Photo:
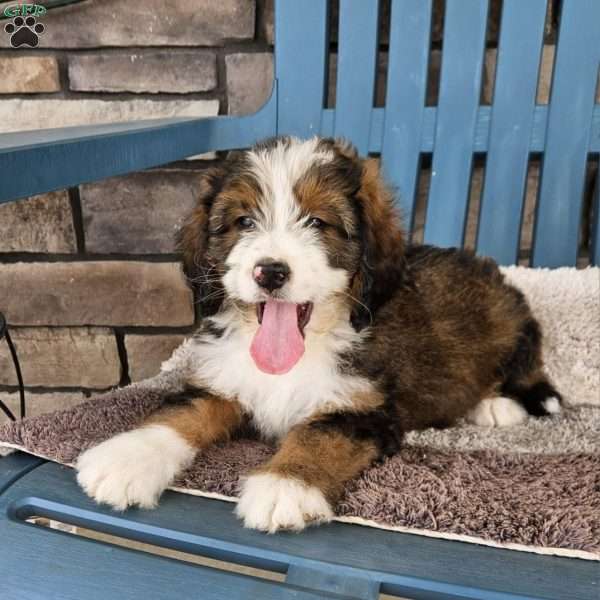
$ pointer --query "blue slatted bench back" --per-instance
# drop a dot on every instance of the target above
(566, 131)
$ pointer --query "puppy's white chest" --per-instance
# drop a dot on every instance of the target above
(277, 402)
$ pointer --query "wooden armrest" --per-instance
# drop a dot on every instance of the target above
(34, 162)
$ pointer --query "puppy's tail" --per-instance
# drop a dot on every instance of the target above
(538, 396)
(524, 377)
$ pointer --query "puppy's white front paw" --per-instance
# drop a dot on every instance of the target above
(497, 412)
(270, 503)
(133, 467)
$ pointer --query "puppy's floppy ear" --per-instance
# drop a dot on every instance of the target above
(192, 242)
(381, 269)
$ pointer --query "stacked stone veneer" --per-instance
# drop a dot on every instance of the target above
(89, 277)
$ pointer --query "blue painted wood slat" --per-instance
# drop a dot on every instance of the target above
(356, 70)
(519, 53)
(405, 99)
(558, 218)
(15, 466)
(460, 88)
(406, 565)
(42, 564)
(300, 63)
(59, 158)
(482, 128)
(328, 579)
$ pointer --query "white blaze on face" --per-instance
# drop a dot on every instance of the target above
(281, 233)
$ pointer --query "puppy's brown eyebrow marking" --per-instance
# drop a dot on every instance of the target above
(316, 199)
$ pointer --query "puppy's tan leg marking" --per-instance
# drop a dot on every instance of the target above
(299, 485)
(135, 467)
(203, 422)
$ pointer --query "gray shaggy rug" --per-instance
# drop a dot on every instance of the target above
(532, 487)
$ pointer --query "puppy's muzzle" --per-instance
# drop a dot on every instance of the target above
(271, 275)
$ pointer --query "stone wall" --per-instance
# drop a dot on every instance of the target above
(89, 277)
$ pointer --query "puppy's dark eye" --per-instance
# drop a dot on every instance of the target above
(246, 223)
(315, 222)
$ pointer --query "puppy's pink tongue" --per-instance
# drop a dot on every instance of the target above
(278, 344)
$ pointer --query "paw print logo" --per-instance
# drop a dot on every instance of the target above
(24, 32)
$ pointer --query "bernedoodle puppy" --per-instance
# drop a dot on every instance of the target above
(328, 333)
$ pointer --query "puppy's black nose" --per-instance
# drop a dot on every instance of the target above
(271, 275)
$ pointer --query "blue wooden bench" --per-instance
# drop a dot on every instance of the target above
(335, 561)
